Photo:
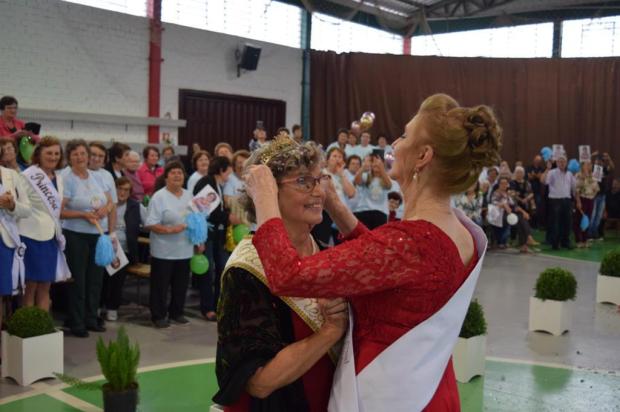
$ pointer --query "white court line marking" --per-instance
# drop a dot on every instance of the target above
(44, 388)
(75, 402)
(550, 365)
(545, 256)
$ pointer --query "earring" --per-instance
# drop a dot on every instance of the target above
(415, 175)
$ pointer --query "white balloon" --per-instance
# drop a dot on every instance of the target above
(512, 219)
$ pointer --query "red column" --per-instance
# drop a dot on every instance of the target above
(154, 14)
(407, 45)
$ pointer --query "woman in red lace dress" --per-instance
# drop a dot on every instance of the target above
(401, 274)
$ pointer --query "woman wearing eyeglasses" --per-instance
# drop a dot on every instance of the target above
(272, 352)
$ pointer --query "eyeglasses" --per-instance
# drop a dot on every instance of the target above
(307, 183)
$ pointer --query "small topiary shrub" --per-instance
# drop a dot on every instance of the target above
(29, 322)
(556, 284)
(474, 323)
(119, 365)
(610, 266)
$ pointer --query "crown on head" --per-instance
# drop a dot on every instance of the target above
(281, 144)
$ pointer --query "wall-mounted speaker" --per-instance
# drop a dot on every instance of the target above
(247, 58)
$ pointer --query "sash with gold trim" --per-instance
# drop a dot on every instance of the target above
(245, 257)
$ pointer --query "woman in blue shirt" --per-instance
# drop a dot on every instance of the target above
(171, 249)
(86, 203)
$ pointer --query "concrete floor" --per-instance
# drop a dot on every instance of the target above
(504, 288)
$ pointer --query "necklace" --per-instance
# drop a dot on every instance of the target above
(315, 248)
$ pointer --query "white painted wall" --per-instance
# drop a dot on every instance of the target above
(68, 57)
(200, 60)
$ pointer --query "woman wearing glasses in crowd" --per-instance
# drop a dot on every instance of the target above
(272, 352)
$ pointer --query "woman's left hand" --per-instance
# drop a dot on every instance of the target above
(102, 212)
(259, 182)
(332, 200)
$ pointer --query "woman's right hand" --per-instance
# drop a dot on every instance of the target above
(6, 201)
(336, 315)
(259, 181)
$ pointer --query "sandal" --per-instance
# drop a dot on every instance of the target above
(210, 316)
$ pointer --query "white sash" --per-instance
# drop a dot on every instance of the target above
(52, 200)
(18, 270)
(405, 376)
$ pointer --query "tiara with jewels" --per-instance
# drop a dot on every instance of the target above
(282, 144)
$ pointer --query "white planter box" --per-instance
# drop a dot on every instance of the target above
(608, 289)
(553, 316)
(216, 408)
(468, 357)
(28, 360)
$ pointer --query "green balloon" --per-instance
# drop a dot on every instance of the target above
(26, 148)
(199, 264)
(239, 232)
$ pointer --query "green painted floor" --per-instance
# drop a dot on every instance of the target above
(186, 388)
(38, 403)
(594, 253)
(506, 386)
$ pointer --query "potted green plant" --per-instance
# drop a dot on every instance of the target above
(32, 347)
(119, 365)
(551, 308)
(608, 279)
(470, 350)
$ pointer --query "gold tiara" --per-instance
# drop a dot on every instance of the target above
(280, 145)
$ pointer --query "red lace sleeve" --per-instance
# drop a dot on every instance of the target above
(383, 259)
(359, 230)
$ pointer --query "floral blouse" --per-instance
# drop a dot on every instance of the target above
(586, 186)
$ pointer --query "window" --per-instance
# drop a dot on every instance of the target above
(534, 40)
(264, 20)
(330, 33)
(134, 7)
(591, 37)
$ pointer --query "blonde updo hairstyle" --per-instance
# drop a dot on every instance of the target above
(464, 140)
(283, 156)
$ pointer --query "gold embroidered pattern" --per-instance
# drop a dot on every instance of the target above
(245, 257)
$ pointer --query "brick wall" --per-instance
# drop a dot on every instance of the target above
(68, 57)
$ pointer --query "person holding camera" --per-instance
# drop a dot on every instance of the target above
(374, 184)
(10, 125)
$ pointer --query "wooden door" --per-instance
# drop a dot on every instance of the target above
(217, 117)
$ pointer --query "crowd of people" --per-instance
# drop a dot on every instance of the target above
(57, 201)
(60, 200)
